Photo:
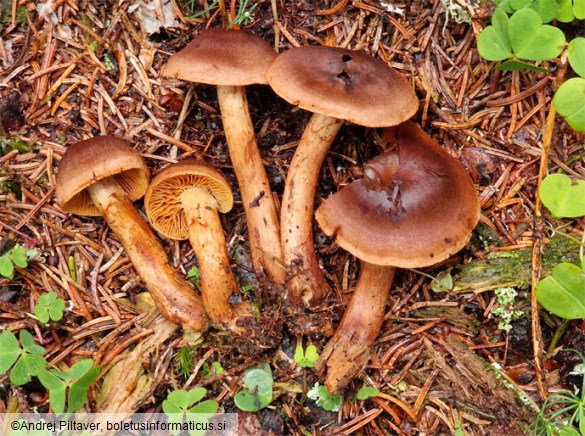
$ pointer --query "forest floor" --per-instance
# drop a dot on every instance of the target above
(444, 362)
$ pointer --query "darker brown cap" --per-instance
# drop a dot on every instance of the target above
(414, 207)
(222, 57)
(94, 159)
(344, 84)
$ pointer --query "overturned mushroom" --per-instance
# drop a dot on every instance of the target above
(103, 176)
(231, 60)
(336, 85)
(183, 201)
(414, 207)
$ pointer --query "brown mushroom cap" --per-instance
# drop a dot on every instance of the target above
(163, 197)
(345, 84)
(88, 161)
(222, 57)
(414, 207)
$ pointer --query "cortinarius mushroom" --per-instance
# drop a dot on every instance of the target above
(183, 201)
(231, 60)
(103, 176)
(414, 207)
(336, 85)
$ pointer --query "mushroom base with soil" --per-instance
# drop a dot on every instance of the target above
(218, 284)
(349, 349)
(306, 283)
(173, 296)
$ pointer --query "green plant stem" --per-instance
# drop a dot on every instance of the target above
(537, 246)
(557, 335)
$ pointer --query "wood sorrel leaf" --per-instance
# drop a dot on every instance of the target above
(532, 40)
(563, 292)
(577, 55)
(563, 197)
(493, 43)
(569, 101)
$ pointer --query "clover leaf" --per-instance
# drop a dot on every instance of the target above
(27, 361)
(522, 37)
(306, 358)
(532, 40)
(49, 307)
(569, 101)
(576, 52)
(367, 392)
(324, 398)
(562, 196)
(181, 404)
(15, 256)
(258, 394)
(70, 386)
(570, 9)
(563, 292)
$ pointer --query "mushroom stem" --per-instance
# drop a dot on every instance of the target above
(263, 224)
(174, 297)
(306, 282)
(349, 349)
(218, 284)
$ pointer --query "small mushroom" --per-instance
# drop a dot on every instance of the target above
(231, 60)
(414, 207)
(103, 176)
(336, 84)
(183, 201)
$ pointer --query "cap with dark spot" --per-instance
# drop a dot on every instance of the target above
(415, 205)
(345, 84)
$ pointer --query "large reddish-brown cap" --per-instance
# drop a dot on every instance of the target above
(88, 161)
(414, 207)
(163, 198)
(344, 84)
(222, 57)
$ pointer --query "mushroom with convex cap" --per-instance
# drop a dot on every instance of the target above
(103, 176)
(183, 201)
(336, 85)
(233, 59)
(414, 207)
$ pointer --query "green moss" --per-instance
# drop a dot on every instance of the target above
(514, 267)
(8, 144)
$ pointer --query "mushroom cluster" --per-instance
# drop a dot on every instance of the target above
(415, 205)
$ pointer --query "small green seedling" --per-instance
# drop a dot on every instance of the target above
(181, 405)
(563, 412)
(49, 307)
(367, 392)
(27, 361)
(70, 386)
(210, 370)
(520, 38)
(569, 99)
(258, 394)
(562, 196)
(324, 398)
(16, 256)
(505, 311)
(194, 275)
(563, 292)
(245, 14)
(184, 361)
(306, 358)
